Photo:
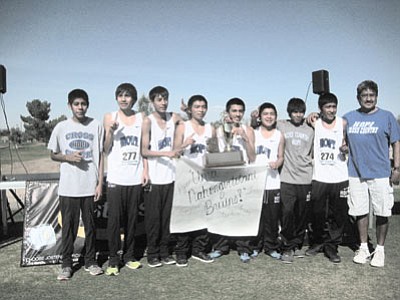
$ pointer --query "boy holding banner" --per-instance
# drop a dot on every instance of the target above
(269, 146)
(191, 139)
(243, 140)
(157, 146)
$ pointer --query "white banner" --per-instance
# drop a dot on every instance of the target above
(226, 201)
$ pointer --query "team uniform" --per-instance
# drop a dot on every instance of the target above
(124, 187)
(369, 137)
(266, 152)
(158, 201)
(195, 152)
(78, 183)
(329, 186)
(296, 176)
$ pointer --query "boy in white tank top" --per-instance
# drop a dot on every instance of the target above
(191, 139)
(126, 174)
(269, 147)
(330, 181)
(157, 146)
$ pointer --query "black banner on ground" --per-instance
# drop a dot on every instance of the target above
(41, 243)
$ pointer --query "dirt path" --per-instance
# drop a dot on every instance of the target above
(42, 165)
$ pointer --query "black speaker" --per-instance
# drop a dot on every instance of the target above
(3, 88)
(320, 80)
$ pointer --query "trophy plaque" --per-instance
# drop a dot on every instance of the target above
(223, 159)
(227, 158)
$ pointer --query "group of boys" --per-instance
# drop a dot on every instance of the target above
(307, 177)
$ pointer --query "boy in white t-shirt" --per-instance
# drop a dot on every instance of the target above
(77, 143)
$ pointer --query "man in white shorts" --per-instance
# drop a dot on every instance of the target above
(370, 130)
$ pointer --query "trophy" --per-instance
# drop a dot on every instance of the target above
(228, 135)
(227, 158)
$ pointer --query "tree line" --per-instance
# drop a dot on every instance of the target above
(38, 127)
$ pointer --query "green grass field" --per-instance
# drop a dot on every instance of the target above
(226, 278)
(26, 152)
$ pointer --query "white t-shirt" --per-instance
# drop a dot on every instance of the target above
(78, 179)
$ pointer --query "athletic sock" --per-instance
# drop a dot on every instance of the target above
(364, 246)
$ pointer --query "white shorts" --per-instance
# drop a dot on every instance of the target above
(377, 191)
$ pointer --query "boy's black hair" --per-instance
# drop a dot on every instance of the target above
(267, 105)
(78, 93)
(126, 88)
(296, 104)
(158, 90)
(234, 101)
(327, 98)
(197, 98)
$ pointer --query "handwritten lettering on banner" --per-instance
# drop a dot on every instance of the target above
(226, 201)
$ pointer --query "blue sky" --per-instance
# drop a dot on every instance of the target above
(256, 50)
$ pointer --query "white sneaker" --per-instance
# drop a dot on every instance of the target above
(65, 274)
(94, 270)
(378, 260)
(362, 256)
